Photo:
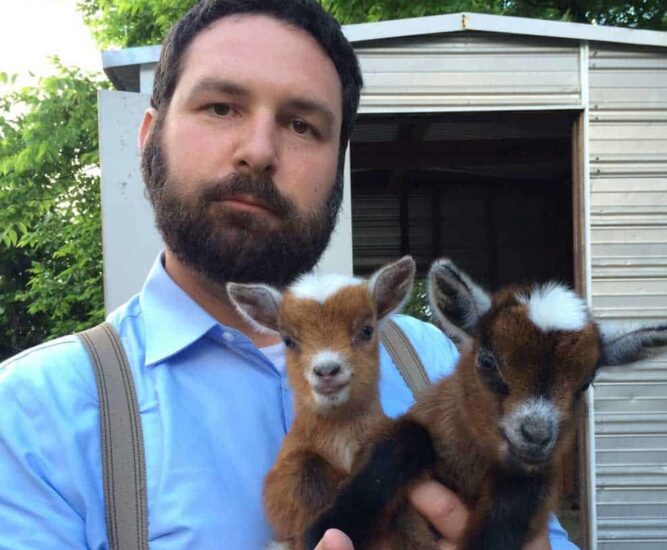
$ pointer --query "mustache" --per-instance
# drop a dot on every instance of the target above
(261, 189)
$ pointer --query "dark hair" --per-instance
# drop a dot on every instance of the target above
(303, 14)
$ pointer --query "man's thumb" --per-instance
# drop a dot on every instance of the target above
(334, 539)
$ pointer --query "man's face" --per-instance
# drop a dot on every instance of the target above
(241, 167)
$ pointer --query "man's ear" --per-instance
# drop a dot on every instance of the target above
(150, 116)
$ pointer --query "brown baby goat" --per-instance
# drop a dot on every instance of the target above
(495, 430)
(329, 324)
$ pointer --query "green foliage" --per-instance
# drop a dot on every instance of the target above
(648, 14)
(50, 231)
(360, 11)
(417, 305)
(129, 23)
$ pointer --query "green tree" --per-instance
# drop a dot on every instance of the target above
(127, 23)
(50, 232)
(647, 14)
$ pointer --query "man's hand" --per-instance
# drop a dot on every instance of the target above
(440, 506)
(443, 509)
(334, 539)
(447, 513)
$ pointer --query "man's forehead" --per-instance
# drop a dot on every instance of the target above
(251, 46)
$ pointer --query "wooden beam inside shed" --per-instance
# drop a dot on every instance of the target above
(408, 134)
(418, 155)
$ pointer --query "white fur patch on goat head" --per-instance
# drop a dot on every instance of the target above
(553, 306)
(320, 287)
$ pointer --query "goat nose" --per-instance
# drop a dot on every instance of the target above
(537, 431)
(327, 370)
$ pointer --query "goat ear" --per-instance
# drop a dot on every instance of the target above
(390, 286)
(624, 343)
(258, 305)
(456, 300)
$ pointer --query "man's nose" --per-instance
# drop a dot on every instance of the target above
(256, 151)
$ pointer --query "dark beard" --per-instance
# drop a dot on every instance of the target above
(225, 244)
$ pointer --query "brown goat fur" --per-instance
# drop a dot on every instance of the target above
(463, 414)
(329, 324)
(334, 325)
(501, 422)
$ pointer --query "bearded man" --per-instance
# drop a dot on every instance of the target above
(242, 156)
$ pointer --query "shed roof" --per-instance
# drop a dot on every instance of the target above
(122, 66)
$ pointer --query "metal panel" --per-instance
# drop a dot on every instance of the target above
(628, 170)
(122, 66)
(420, 26)
(126, 212)
(471, 71)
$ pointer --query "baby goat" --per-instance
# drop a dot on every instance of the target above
(495, 430)
(329, 324)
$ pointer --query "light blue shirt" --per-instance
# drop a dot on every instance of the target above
(214, 410)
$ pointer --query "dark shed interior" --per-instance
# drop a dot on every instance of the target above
(492, 191)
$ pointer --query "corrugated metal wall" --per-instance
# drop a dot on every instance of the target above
(469, 70)
(628, 171)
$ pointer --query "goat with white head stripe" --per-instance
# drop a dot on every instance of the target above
(329, 324)
(500, 424)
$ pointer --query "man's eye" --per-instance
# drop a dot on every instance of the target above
(301, 127)
(221, 109)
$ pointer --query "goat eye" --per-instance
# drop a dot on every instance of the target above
(366, 332)
(486, 362)
(489, 373)
(289, 343)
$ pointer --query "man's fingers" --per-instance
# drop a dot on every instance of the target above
(442, 508)
(334, 539)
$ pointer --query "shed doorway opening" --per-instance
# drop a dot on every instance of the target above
(493, 191)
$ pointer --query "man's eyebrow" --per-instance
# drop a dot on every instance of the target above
(312, 107)
(217, 85)
(229, 87)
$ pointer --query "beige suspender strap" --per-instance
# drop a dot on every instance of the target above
(123, 466)
(405, 357)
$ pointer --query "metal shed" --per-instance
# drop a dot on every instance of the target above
(515, 143)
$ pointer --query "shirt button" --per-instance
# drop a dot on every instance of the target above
(228, 336)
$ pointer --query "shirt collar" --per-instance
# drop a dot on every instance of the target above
(172, 319)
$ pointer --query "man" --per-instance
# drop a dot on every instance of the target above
(243, 148)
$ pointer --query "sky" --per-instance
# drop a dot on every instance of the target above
(31, 30)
